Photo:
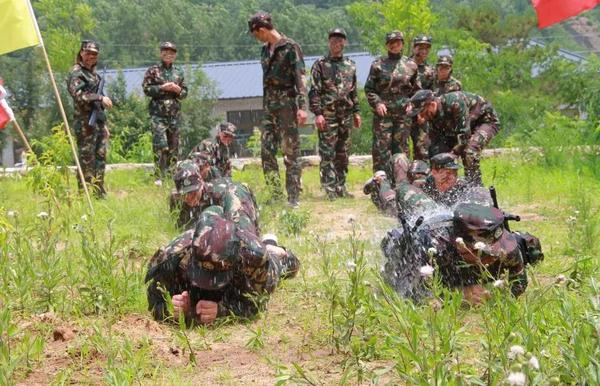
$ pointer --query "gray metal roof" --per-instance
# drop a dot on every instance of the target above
(236, 80)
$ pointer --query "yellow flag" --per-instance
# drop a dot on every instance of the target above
(18, 27)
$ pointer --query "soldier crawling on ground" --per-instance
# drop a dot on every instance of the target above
(219, 269)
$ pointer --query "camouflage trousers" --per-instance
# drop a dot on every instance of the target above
(333, 150)
(280, 128)
(482, 135)
(92, 143)
(165, 143)
(390, 136)
(420, 141)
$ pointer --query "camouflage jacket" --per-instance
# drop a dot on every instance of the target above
(164, 103)
(186, 215)
(441, 87)
(284, 73)
(238, 202)
(481, 111)
(254, 269)
(333, 85)
(218, 153)
(82, 84)
(426, 75)
(451, 118)
(392, 80)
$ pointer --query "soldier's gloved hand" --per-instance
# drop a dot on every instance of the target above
(357, 120)
(320, 122)
(106, 102)
(381, 109)
(181, 304)
(301, 117)
(206, 311)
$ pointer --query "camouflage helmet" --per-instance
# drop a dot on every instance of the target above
(227, 128)
(260, 20)
(215, 249)
(187, 177)
(422, 39)
(419, 100)
(90, 45)
(418, 167)
(394, 35)
(168, 46)
(445, 60)
(444, 161)
(201, 159)
(337, 32)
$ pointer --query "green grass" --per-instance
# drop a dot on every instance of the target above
(336, 323)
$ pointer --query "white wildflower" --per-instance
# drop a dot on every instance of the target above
(432, 252)
(560, 279)
(515, 351)
(42, 215)
(11, 213)
(499, 284)
(426, 270)
(460, 241)
(534, 363)
(84, 218)
(516, 379)
(480, 246)
(351, 265)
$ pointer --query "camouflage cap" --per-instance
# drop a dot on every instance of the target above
(90, 45)
(337, 31)
(478, 220)
(168, 46)
(445, 60)
(227, 128)
(260, 20)
(187, 177)
(422, 39)
(201, 159)
(419, 100)
(444, 161)
(394, 35)
(215, 250)
(418, 167)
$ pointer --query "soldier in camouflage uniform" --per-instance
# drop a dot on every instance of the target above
(469, 247)
(284, 101)
(216, 270)
(382, 193)
(444, 185)
(334, 101)
(485, 124)
(187, 196)
(448, 119)
(164, 84)
(82, 83)
(444, 81)
(392, 80)
(420, 51)
(220, 150)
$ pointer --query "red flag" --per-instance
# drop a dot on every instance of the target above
(553, 11)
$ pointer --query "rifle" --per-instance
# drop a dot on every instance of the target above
(98, 108)
(507, 216)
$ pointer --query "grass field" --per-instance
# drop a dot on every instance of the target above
(73, 306)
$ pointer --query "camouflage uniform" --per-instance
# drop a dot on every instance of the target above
(92, 142)
(165, 113)
(441, 87)
(218, 262)
(382, 193)
(284, 85)
(187, 180)
(333, 95)
(484, 126)
(218, 153)
(435, 241)
(426, 78)
(392, 81)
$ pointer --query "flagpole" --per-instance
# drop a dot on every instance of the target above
(62, 110)
(22, 135)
